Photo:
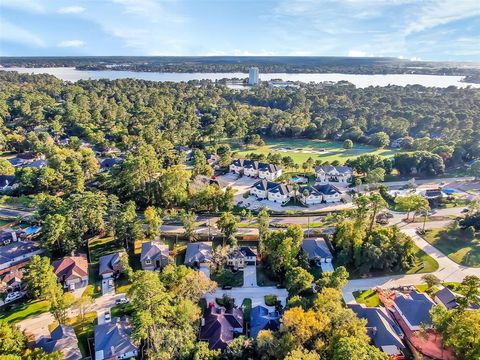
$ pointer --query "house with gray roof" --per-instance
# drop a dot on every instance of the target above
(320, 193)
(154, 255)
(111, 265)
(414, 309)
(64, 340)
(329, 173)
(219, 327)
(263, 319)
(15, 255)
(198, 254)
(113, 341)
(381, 328)
(253, 168)
(317, 250)
(447, 298)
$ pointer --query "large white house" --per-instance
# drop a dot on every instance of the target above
(280, 193)
(320, 193)
(329, 173)
(255, 169)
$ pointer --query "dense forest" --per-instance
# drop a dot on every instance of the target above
(125, 112)
(266, 64)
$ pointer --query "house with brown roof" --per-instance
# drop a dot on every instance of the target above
(219, 327)
(72, 271)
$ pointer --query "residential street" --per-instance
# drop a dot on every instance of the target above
(255, 293)
(13, 214)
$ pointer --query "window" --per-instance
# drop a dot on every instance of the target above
(148, 261)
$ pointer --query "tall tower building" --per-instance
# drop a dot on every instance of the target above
(253, 76)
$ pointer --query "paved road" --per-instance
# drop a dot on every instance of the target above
(13, 214)
(250, 276)
(448, 271)
(38, 325)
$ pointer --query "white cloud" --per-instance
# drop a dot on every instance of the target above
(71, 10)
(14, 33)
(24, 5)
(358, 53)
(71, 43)
(440, 13)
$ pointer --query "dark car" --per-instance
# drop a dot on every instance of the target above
(226, 287)
(465, 211)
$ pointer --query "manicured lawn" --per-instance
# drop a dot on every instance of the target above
(457, 245)
(102, 246)
(424, 263)
(301, 149)
(226, 277)
(367, 297)
(22, 311)
(263, 279)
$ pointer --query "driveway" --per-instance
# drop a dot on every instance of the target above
(206, 270)
(250, 276)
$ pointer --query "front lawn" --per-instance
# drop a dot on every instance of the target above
(23, 310)
(84, 331)
(226, 277)
(424, 263)
(102, 246)
(367, 297)
(456, 244)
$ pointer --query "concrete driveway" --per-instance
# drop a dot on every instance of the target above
(250, 276)
(257, 294)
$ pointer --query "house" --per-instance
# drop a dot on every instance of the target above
(320, 193)
(108, 163)
(72, 271)
(112, 340)
(414, 309)
(37, 164)
(154, 255)
(382, 329)
(13, 281)
(269, 171)
(263, 319)
(7, 236)
(447, 298)
(317, 250)
(219, 327)
(213, 160)
(329, 173)
(433, 193)
(261, 188)
(198, 254)
(240, 257)
(7, 182)
(64, 340)
(15, 256)
(281, 194)
(255, 169)
(110, 265)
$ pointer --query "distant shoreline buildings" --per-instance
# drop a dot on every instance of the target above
(253, 79)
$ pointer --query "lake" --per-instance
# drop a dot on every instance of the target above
(361, 81)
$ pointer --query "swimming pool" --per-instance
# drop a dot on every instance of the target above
(449, 191)
(31, 230)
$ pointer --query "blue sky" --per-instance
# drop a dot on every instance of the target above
(412, 29)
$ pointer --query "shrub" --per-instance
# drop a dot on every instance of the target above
(271, 300)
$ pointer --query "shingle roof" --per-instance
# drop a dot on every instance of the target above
(327, 189)
(316, 248)
(64, 340)
(110, 263)
(198, 252)
(17, 249)
(219, 325)
(38, 164)
(380, 326)
(262, 319)
(282, 189)
(415, 307)
(447, 297)
(109, 162)
(154, 250)
(250, 164)
(114, 338)
(271, 168)
(264, 185)
(329, 168)
(247, 251)
(71, 267)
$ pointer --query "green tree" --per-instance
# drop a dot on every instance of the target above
(39, 277)
(228, 225)
(431, 280)
(128, 227)
(60, 302)
(263, 220)
(6, 168)
(375, 176)
(475, 169)
(189, 221)
(348, 144)
(13, 340)
(335, 280)
(380, 139)
(153, 222)
(298, 280)
(352, 348)
(54, 229)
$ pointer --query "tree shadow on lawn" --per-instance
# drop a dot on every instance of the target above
(457, 245)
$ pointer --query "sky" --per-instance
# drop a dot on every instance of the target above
(410, 29)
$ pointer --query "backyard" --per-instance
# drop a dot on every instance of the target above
(457, 244)
(301, 149)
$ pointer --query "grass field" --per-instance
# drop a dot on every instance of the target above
(457, 245)
(22, 311)
(424, 263)
(301, 149)
(367, 297)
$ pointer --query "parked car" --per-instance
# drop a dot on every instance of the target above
(14, 296)
(122, 301)
(108, 317)
(226, 287)
(465, 211)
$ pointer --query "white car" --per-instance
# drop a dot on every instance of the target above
(13, 296)
(108, 317)
(121, 301)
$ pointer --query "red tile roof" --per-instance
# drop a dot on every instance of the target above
(71, 267)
